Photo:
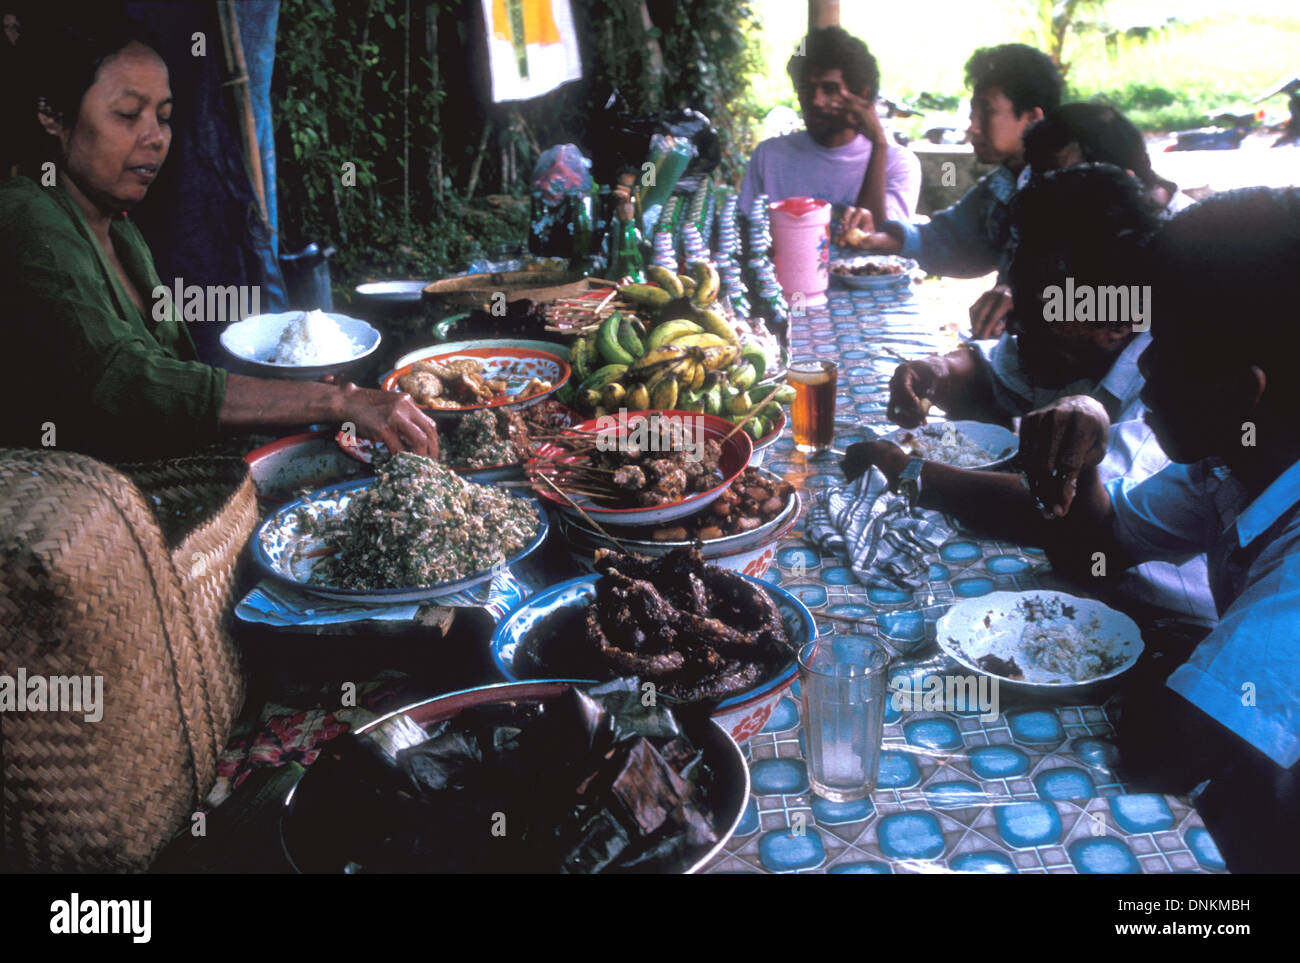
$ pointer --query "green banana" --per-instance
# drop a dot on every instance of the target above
(645, 295)
(597, 380)
(743, 375)
(713, 400)
(752, 353)
(607, 340)
(578, 360)
(666, 279)
(784, 395)
(740, 404)
(667, 331)
(627, 338)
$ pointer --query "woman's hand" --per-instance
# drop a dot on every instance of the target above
(390, 417)
(1057, 445)
(885, 455)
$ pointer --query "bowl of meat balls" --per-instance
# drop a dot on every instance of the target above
(695, 634)
(447, 386)
(740, 531)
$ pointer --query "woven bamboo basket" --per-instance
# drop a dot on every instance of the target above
(127, 574)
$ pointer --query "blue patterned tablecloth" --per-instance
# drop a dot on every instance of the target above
(1032, 791)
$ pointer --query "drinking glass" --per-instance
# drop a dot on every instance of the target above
(813, 410)
(842, 686)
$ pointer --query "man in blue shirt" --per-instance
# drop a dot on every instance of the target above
(1012, 86)
(1225, 406)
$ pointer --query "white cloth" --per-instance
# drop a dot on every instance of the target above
(552, 62)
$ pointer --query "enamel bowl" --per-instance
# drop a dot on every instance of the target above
(515, 366)
(252, 342)
(741, 715)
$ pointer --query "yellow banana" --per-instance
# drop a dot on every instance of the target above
(662, 334)
(712, 321)
(612, 395)
(638, 398)
(666, 279)
(706, 283)
(660, 355)
(665, 394)
(688, 284)
(697, 376)
(703, 339)
(717, 356)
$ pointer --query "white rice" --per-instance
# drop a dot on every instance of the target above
(313, 337)
(944, 443)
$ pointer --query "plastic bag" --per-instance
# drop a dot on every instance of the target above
(560, 172)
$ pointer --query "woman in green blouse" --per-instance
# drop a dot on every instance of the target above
(84, 355)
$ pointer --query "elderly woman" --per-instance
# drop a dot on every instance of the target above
(88, 366)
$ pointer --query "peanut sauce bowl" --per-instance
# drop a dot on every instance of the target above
(742, 715)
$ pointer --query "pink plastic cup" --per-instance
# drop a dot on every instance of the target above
(801, 249)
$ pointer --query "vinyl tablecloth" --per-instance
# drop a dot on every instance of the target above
(1031, 791)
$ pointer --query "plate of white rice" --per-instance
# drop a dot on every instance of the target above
(299, 344)
(961, 444)
(1040, 638)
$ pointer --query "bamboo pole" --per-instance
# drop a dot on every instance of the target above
(237, 71)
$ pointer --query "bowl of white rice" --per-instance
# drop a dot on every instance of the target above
(301, 345)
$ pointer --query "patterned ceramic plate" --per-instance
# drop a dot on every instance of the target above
(515, 366)
(283, 551)
(1054, 640)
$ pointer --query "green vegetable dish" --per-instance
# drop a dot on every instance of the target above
(422, 524)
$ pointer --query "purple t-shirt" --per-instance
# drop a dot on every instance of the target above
(795, 165)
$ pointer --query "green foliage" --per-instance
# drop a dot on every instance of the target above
(403, 211)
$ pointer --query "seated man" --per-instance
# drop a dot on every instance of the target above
(845, 155)
(1081, 134)
(1079, 229)
(1225, 409)
(1012, 86)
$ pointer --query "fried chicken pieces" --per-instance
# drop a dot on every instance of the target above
(698, 632)
(458, 383)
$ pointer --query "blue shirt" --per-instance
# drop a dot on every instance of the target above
(1246, 673)
(968, 239)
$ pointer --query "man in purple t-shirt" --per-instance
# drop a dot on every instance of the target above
(844, 155)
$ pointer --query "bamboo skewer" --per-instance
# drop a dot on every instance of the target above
(600, 528)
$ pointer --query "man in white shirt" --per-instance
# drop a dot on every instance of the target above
(844, 155)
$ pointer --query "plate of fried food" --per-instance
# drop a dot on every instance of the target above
(872, 271)
(489, 444)
(640, 468)
(447, 385)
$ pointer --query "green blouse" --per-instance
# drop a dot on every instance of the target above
(80, 355)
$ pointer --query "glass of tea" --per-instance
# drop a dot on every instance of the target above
(813, 411)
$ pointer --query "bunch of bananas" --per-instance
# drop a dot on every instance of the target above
(687, 356)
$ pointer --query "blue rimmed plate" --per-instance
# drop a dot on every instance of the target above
(284, 552)
(742, 715)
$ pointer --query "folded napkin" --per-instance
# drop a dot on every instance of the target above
(884, 541)
(273, 603)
